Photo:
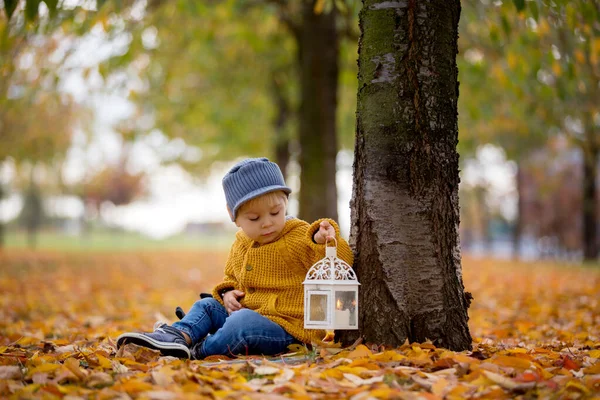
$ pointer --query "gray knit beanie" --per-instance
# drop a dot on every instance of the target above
(251, 178)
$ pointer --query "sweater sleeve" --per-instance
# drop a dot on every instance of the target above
(310, 252)
(229, 281)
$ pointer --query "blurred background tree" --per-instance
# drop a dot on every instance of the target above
(248, 79)
(36, 119)
(536, 66)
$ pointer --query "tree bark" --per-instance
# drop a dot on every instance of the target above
(481, 191)
(1, 223)
(282, 141)
(590, 203)
(318, 50)
(405, 196)
(518, 229)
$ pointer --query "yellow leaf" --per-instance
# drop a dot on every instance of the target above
(461, 358)
(298, 348)
(595, 353)
(27, 341)
(360, 351)
(104, 362)
(440, 387)
(594, 369)
(43, 368)
(577, 386)
(518, 350)
(332, 373)
(352, 370)
(389, 355)
(383, 393)
(72, 364)
(133, 386)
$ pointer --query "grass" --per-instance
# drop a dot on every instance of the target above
(118, 241)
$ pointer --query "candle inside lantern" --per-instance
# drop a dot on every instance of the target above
(341, 316)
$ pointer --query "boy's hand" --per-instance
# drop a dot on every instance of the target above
(326, 231)
(231, 300)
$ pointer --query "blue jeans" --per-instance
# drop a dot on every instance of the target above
(243, 332)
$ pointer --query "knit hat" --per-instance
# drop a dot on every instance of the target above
(249, 179)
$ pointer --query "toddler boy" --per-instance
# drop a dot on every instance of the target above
(258, 308)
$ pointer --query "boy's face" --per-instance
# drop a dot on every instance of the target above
(262, 221)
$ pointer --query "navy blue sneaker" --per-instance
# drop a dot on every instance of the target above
(166, 339)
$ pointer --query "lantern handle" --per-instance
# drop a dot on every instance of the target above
(327, 240)
(330, 251)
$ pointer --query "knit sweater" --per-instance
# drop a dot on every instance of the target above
(271, 275)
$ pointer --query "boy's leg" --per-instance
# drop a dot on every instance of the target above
(205, 316)
(245, 332)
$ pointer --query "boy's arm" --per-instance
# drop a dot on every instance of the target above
(229, 282)
(306, 251)
(343, 248)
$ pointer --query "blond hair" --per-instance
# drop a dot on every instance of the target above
(271, 199)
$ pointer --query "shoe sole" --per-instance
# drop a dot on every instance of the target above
(166, 349)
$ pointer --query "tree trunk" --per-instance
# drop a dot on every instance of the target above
(32, 212)
(518, 228)
(481, 191)
(282, 140)
(405, 196)
(590, 210)
(1, 222)
(318, 50)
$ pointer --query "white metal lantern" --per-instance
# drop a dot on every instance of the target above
(331, 294)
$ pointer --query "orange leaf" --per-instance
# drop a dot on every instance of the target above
(512, 362)
(569, 364)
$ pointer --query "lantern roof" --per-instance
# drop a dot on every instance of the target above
(331, 270)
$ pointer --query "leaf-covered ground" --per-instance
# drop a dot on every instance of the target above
(536, 331)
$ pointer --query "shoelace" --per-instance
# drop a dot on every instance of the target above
(158, 326)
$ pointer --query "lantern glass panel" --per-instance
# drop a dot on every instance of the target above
(318, 307)
(345, 308)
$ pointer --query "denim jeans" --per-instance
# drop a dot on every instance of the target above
(243, 332)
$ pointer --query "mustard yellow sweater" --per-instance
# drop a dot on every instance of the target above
(271, 275)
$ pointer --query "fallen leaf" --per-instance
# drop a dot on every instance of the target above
(72, 364)
(569, 364)
(360, 351)
(98, 379)
(507, 383)
(266, 370)
(10, 372)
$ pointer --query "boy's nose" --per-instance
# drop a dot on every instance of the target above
(267, 222)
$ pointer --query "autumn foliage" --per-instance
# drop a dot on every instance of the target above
(536, 331)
